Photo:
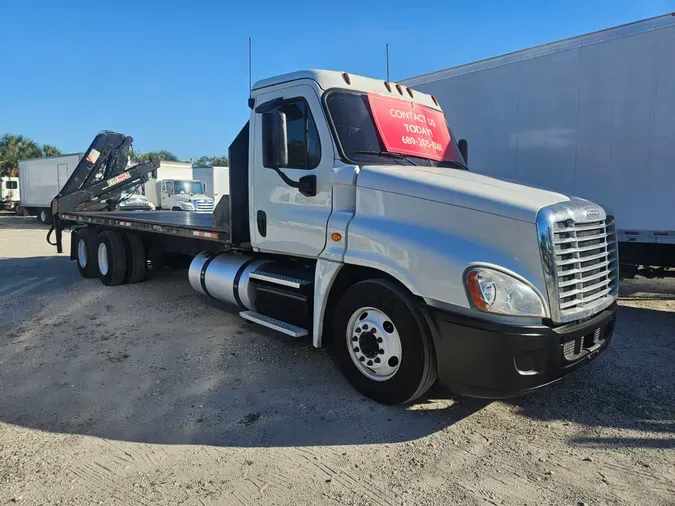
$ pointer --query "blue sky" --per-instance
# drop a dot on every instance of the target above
(173, 74)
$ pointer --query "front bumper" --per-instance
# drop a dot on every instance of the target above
(478, 358)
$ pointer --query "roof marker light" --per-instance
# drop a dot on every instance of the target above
(400, 90)
(346, 77)
(434, 99)
(387, 85)
(410, 92)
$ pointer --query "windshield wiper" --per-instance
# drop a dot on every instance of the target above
(398, 156)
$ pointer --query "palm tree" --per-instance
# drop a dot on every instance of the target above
(14, 148)
(48, 150)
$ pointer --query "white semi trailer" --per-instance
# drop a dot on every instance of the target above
(216, 180)
(352, 218)
(590, 116)
(41, 179)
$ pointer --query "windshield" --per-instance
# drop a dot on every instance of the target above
(193, 187)
(362, 142)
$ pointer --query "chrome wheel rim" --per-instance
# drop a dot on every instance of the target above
(374, 344)
(82, 253)
(103, 259)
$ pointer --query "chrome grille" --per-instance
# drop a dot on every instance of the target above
(205, 206)
(579, 251)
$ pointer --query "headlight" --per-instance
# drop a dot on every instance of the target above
(188, 207)
(124, 203)
(495, 292)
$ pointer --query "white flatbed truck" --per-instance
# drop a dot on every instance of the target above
(352, 218)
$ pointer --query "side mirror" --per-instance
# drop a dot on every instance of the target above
(274, 140)
(463, 145)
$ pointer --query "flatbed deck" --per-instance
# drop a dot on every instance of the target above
(176, 223)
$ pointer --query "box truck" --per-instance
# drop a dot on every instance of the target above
(40, 180)
(173, 187)
(216, 180)
(9, 193)
(591, 116)
(353, 218)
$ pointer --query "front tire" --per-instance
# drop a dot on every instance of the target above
(381, 343)
(112, 259)
(86, 251)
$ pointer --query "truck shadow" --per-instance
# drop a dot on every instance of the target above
(157, 363)
(631, 387)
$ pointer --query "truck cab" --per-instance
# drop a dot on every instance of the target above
(184, 195)
(419, 269)
(9, 193)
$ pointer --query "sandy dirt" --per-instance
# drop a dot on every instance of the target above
(152, 394)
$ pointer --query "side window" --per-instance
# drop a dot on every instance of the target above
(304, 147)
(10, 185)
(169, 187)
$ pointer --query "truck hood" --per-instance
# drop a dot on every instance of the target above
(460, 188)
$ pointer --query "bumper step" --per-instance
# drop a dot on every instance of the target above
(280, 279)
(272, 323)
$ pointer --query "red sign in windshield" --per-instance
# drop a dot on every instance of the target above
(411, 129)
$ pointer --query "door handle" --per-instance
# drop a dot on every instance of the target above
(261, 218)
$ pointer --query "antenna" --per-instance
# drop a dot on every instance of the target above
(251, 101)
(386, 49)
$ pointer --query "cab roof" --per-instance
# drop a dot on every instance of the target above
(330, 79)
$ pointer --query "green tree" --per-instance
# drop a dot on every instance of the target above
(14, 148)
(167, 156)
(220, 161)
(211, 161)
(48, 150)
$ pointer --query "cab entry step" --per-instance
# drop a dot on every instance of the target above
(279, 279)
(274, 324)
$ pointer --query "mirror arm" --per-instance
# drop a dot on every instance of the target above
(306, 185)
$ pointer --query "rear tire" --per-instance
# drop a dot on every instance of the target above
(397, 363)
(136, 261)
(44, 216)
(86, 252)
(112, 258)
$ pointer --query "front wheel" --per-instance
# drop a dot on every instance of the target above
(381, 343)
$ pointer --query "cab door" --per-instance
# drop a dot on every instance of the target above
(283, 220)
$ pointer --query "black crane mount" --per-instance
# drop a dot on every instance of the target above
(99, 179)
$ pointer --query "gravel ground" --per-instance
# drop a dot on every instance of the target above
(152, 394)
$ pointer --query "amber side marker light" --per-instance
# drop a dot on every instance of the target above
(336, 236)
(474, 290)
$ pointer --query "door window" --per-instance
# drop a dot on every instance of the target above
(169, 187)
(11, 185)
(304, 147)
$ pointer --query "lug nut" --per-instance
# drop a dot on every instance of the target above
(365, 327)
(377, 360)
(380, 351)
(379, 339)
(355, 338)
(362, 358)
(358, 330)
(370, 362)
(356, 350)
